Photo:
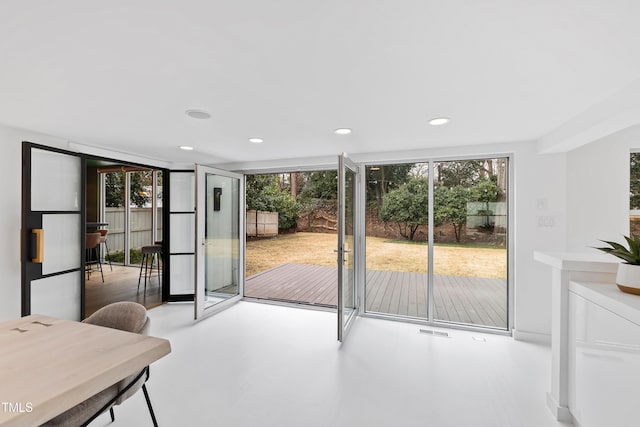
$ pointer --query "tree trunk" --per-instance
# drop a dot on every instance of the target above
(293, 180)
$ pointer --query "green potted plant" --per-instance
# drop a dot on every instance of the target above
(628, 277)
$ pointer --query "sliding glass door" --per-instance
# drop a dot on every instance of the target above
(470, 242)
(436, 241)
(52, 237)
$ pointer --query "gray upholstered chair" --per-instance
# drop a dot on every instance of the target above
(126, 316)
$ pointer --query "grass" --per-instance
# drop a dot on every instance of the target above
(135, 256)
(382, 254)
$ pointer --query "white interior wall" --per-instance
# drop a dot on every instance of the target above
(598, 190)
(539, 220)
(538, 189)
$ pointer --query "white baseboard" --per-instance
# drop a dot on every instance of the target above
(534, 337)
(560, 413)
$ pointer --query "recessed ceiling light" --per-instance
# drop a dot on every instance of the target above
(256, 140)
(343, 131)
(375, 168)
(439, 121)
(198, 114)
(185, 147)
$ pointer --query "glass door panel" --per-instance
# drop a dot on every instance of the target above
(347, 299)
(397, 251)
(61, 248)
(470, 242)
(220, 245)
(52, 238)
(437, 241)
(182, 235)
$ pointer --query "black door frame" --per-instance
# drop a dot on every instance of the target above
(30, 220)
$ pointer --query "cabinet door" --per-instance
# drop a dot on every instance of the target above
(604, 366)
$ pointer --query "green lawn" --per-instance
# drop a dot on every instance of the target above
(382, 254)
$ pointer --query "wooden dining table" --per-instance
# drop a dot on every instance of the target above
(49, 365)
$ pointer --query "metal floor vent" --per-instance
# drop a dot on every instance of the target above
(434, 333)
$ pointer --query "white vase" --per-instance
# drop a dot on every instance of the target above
(628, 278)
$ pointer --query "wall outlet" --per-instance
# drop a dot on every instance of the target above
(546, 221)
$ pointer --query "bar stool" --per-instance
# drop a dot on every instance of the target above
(103, 239)
(92, 257)
(149, 254)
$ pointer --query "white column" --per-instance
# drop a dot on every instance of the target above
(566, 267)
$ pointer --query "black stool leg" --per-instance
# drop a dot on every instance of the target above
(106, 246)
(99, 262)
(144, 256)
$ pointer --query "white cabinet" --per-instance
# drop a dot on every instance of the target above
(604, 356)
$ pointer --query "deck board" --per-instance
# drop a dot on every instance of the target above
(471, 300)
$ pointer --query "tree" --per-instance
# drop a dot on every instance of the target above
(382, 179)
(320, 185)
(486, 191)
(451, 207)
(139, 183)
(407, 206)
(463, 172)
(264, 194)
(634, 201)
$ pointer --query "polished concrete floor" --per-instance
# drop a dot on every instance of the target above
(264, 365)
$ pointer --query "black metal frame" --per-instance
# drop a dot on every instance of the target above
(30, 270)
(167, 243)
(109, 405)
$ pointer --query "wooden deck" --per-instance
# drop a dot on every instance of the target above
(470, 300)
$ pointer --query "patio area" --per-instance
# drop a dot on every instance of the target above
(470, 300)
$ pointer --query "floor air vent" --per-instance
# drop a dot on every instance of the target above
(434, 333)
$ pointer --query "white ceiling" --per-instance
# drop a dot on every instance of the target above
(120, 74)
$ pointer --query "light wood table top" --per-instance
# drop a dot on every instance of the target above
(49, 365)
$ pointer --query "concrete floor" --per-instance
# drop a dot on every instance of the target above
(264, 365)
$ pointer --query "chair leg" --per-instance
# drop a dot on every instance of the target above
(146, 396)
(113, 416)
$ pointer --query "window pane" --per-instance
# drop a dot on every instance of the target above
(182, 191)
(57, 296)
(634, 194)
(55, 181)
(396, 239)
(61, 242)
(470, 242)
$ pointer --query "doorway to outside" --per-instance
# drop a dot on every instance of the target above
(436, 240)
(124, 204)
(291, 228)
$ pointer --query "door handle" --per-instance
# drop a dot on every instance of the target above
(36, 249)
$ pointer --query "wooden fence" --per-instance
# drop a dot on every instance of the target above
(261, 223)
(141, 227)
